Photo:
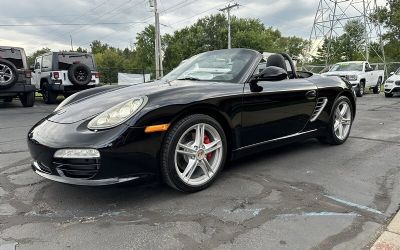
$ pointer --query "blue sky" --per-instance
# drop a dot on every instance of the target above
(291, 17)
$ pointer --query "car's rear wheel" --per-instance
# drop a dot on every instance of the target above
(193, 153)
(360, 89)
(340, 122)
(27, 99)
(377, 88)
(49, 97)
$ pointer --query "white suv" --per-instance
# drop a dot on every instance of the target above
(64, 73)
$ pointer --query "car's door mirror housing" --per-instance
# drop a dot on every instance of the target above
(271, 73)
(368, 69)
(392, 73)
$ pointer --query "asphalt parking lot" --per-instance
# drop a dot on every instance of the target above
(302, 196)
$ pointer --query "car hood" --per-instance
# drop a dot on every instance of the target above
(341, 73)
(93, 105)
(393, 78)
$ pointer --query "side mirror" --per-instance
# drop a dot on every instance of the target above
(270, 73)
(391, 73)
(368, 69)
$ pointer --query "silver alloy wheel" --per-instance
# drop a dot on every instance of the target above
(343, 117)
(6, 74)
(198, 154)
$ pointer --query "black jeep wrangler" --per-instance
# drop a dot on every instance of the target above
(15, 76)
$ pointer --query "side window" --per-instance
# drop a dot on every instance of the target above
(46, 63)
(38, 62)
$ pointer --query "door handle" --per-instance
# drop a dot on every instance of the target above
(311, 94)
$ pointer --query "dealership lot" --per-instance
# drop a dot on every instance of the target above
(302, 196)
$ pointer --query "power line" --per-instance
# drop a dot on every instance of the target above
(65, 24)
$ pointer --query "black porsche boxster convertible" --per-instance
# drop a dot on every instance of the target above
(214, 107)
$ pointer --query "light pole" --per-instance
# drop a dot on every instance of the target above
(228, 10)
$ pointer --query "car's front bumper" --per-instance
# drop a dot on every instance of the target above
(126, 154)
(392, 88)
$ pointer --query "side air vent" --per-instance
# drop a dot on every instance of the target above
(321, 103)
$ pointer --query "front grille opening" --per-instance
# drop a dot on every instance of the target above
(78, 168)
(43, 168)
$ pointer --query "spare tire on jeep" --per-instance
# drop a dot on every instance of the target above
(79, 74)
(8, 74)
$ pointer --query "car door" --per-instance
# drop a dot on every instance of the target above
(37, 72)
(370, 79)
(280, 109)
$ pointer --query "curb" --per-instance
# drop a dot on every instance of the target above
(390, 238)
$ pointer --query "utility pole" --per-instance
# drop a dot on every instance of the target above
(228, 10)
(72, 47)
(157, 40)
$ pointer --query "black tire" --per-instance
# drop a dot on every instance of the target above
(360, 89)
(168, 170)
(330, 137)
(377, 88)
(388, 94)
(8, 99)
(27, 99)
(79, 74)
(49, 97)
(10, 76)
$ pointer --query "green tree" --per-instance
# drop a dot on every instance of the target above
(31, 58)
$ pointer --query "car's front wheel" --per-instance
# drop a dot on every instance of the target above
(340, 122)
(388, 94)
(193, 153)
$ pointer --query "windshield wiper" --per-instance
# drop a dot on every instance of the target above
(189, 78)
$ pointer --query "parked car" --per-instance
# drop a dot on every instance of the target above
(65, 73)
(392, 84)
(360, 74)
(15, 76)
(212, 108)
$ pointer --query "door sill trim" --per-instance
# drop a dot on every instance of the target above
(276, 139)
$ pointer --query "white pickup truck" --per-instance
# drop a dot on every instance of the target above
(360, 74)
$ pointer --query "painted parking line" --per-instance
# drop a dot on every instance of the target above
(351, 204)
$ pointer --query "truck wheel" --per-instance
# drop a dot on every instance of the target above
(27, 99)
(377, 88)
(388, 95)
(360, 89)
(49, 97)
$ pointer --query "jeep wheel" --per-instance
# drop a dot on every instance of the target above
(49, 97)
(8, 99)
(27, 99)
(8, 74)
(80, 74)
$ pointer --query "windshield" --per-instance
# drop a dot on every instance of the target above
(347, 67)
(66, 60)
(217, 66)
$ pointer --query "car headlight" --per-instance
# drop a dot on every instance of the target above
(118, 114)
(66, 101)
(352, 77)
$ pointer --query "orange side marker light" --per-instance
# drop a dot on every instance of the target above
(156, 128)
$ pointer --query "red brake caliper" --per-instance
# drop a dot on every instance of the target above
(207, 141)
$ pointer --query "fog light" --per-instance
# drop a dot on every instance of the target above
(77, 153)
